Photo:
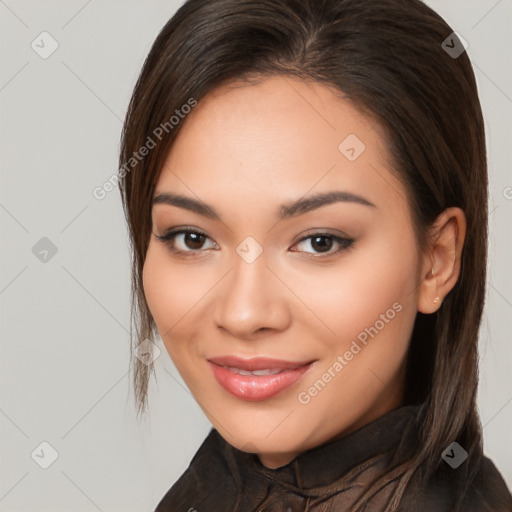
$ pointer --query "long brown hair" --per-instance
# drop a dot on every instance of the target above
(388, 58)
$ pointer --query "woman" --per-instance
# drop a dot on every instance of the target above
(305, 186)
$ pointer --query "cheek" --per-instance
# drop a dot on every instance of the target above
(176, 295)
(167, 292)
(350, 297)
(155, 284)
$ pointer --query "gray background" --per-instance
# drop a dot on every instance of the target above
(64, 322)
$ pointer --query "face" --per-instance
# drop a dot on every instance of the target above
(286, 308)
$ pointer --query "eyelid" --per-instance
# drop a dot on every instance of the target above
(335, 233)
(181, 229)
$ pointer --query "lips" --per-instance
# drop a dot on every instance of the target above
(257, 378)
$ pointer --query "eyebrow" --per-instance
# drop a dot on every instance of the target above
(287, 210)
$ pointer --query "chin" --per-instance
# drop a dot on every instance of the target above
(272, 436)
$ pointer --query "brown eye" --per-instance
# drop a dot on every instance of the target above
(323, 243)
(186, 241)
(194, 240)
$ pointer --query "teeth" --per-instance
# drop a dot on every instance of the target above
(255, 372)
(266, 372)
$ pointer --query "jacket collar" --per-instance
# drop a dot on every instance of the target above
(327, 463)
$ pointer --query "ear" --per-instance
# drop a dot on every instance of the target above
(446, 239)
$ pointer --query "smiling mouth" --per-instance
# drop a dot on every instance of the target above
(258, 378)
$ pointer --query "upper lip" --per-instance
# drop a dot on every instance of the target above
(256, 363)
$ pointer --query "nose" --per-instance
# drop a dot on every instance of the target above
(251, 301)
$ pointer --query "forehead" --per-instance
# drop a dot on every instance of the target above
(279, 140)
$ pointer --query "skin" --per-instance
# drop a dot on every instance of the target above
(245, 151)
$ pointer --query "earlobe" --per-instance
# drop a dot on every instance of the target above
(428, 297)
(443, 258)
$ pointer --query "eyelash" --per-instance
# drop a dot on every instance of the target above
(168, 238)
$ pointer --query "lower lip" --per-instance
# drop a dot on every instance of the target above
(256, 387)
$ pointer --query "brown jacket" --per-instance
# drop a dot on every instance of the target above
(328, 478)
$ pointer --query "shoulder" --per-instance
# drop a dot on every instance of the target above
(207, 480)
(487, 492)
